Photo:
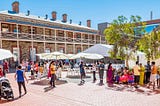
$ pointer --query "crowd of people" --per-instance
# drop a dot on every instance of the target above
(138, 75)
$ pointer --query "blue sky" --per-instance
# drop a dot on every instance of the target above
(80, 10)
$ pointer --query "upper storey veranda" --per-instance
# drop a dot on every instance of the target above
(27, 19)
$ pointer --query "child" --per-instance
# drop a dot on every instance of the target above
(124, 77)
(117, 78)
(131, 78)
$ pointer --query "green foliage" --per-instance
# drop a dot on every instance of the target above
(121, 34)
(150, 44)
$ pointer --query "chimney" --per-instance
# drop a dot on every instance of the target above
(15, 6)
(46, 16)
(28, 13)
(80, 22)
(64, 18)
(70, 21)
(54, 15)
(88, 23)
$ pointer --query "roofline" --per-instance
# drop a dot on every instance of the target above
(152, 21)
(42, 19)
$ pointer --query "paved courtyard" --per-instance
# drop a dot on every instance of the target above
(89, 94)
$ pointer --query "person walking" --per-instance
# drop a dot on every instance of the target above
(101, 72)
(52, 72)
(136, 70)
(154, 70)
(148, 72)
(19, 76)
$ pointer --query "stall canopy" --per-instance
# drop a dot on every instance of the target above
(101, 49)
(4, 54)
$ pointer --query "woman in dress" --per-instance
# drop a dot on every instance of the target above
(110, 75)
(142, 69)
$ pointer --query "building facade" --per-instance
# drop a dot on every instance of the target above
(26, 35)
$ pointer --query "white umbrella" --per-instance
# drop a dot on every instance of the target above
(92, 56)
(4, 54)
(70, 55)
(42, 55)
(53, 55)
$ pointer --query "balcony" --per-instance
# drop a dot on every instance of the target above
(77, 40)
(25, 36)
(69, 39)
(49, 38)
(60, 39)
(85, 40)
(40, 37)
(97, 41)
(9, 35)
(91, 41)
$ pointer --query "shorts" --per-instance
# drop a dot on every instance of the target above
(136, 78)
(82, 73)
(153, 78)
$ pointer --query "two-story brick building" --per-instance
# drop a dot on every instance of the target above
(26, 35)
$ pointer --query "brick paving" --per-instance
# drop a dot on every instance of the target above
(89, 94)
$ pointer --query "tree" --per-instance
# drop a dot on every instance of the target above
(150, 44)
(121, 34)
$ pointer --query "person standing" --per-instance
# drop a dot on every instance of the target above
(82, 72)
(5, 67)
(142, 69)
(19, 76)
(110, 75)
(1, 71)
(94, 73)
(148, 72)
(136, 70)
(72, 65)
(52, 72)
(154, 70)
(101, 72)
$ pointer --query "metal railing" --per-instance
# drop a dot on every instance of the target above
(40, 37)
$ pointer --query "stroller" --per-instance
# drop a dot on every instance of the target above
(5, 89)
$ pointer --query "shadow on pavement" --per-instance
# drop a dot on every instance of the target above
(76, 76)
(44, 82)
(46, 89)
(139, 90)
(3, 101)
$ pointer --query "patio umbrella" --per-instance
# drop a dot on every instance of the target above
(53, 55)
(4, 54)
(42, 55)
(92, 56)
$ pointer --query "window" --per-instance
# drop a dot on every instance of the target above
(61, 50)
(33, 54)
(15, 53)
(5, 28)
(47, 50)
(78, 50)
